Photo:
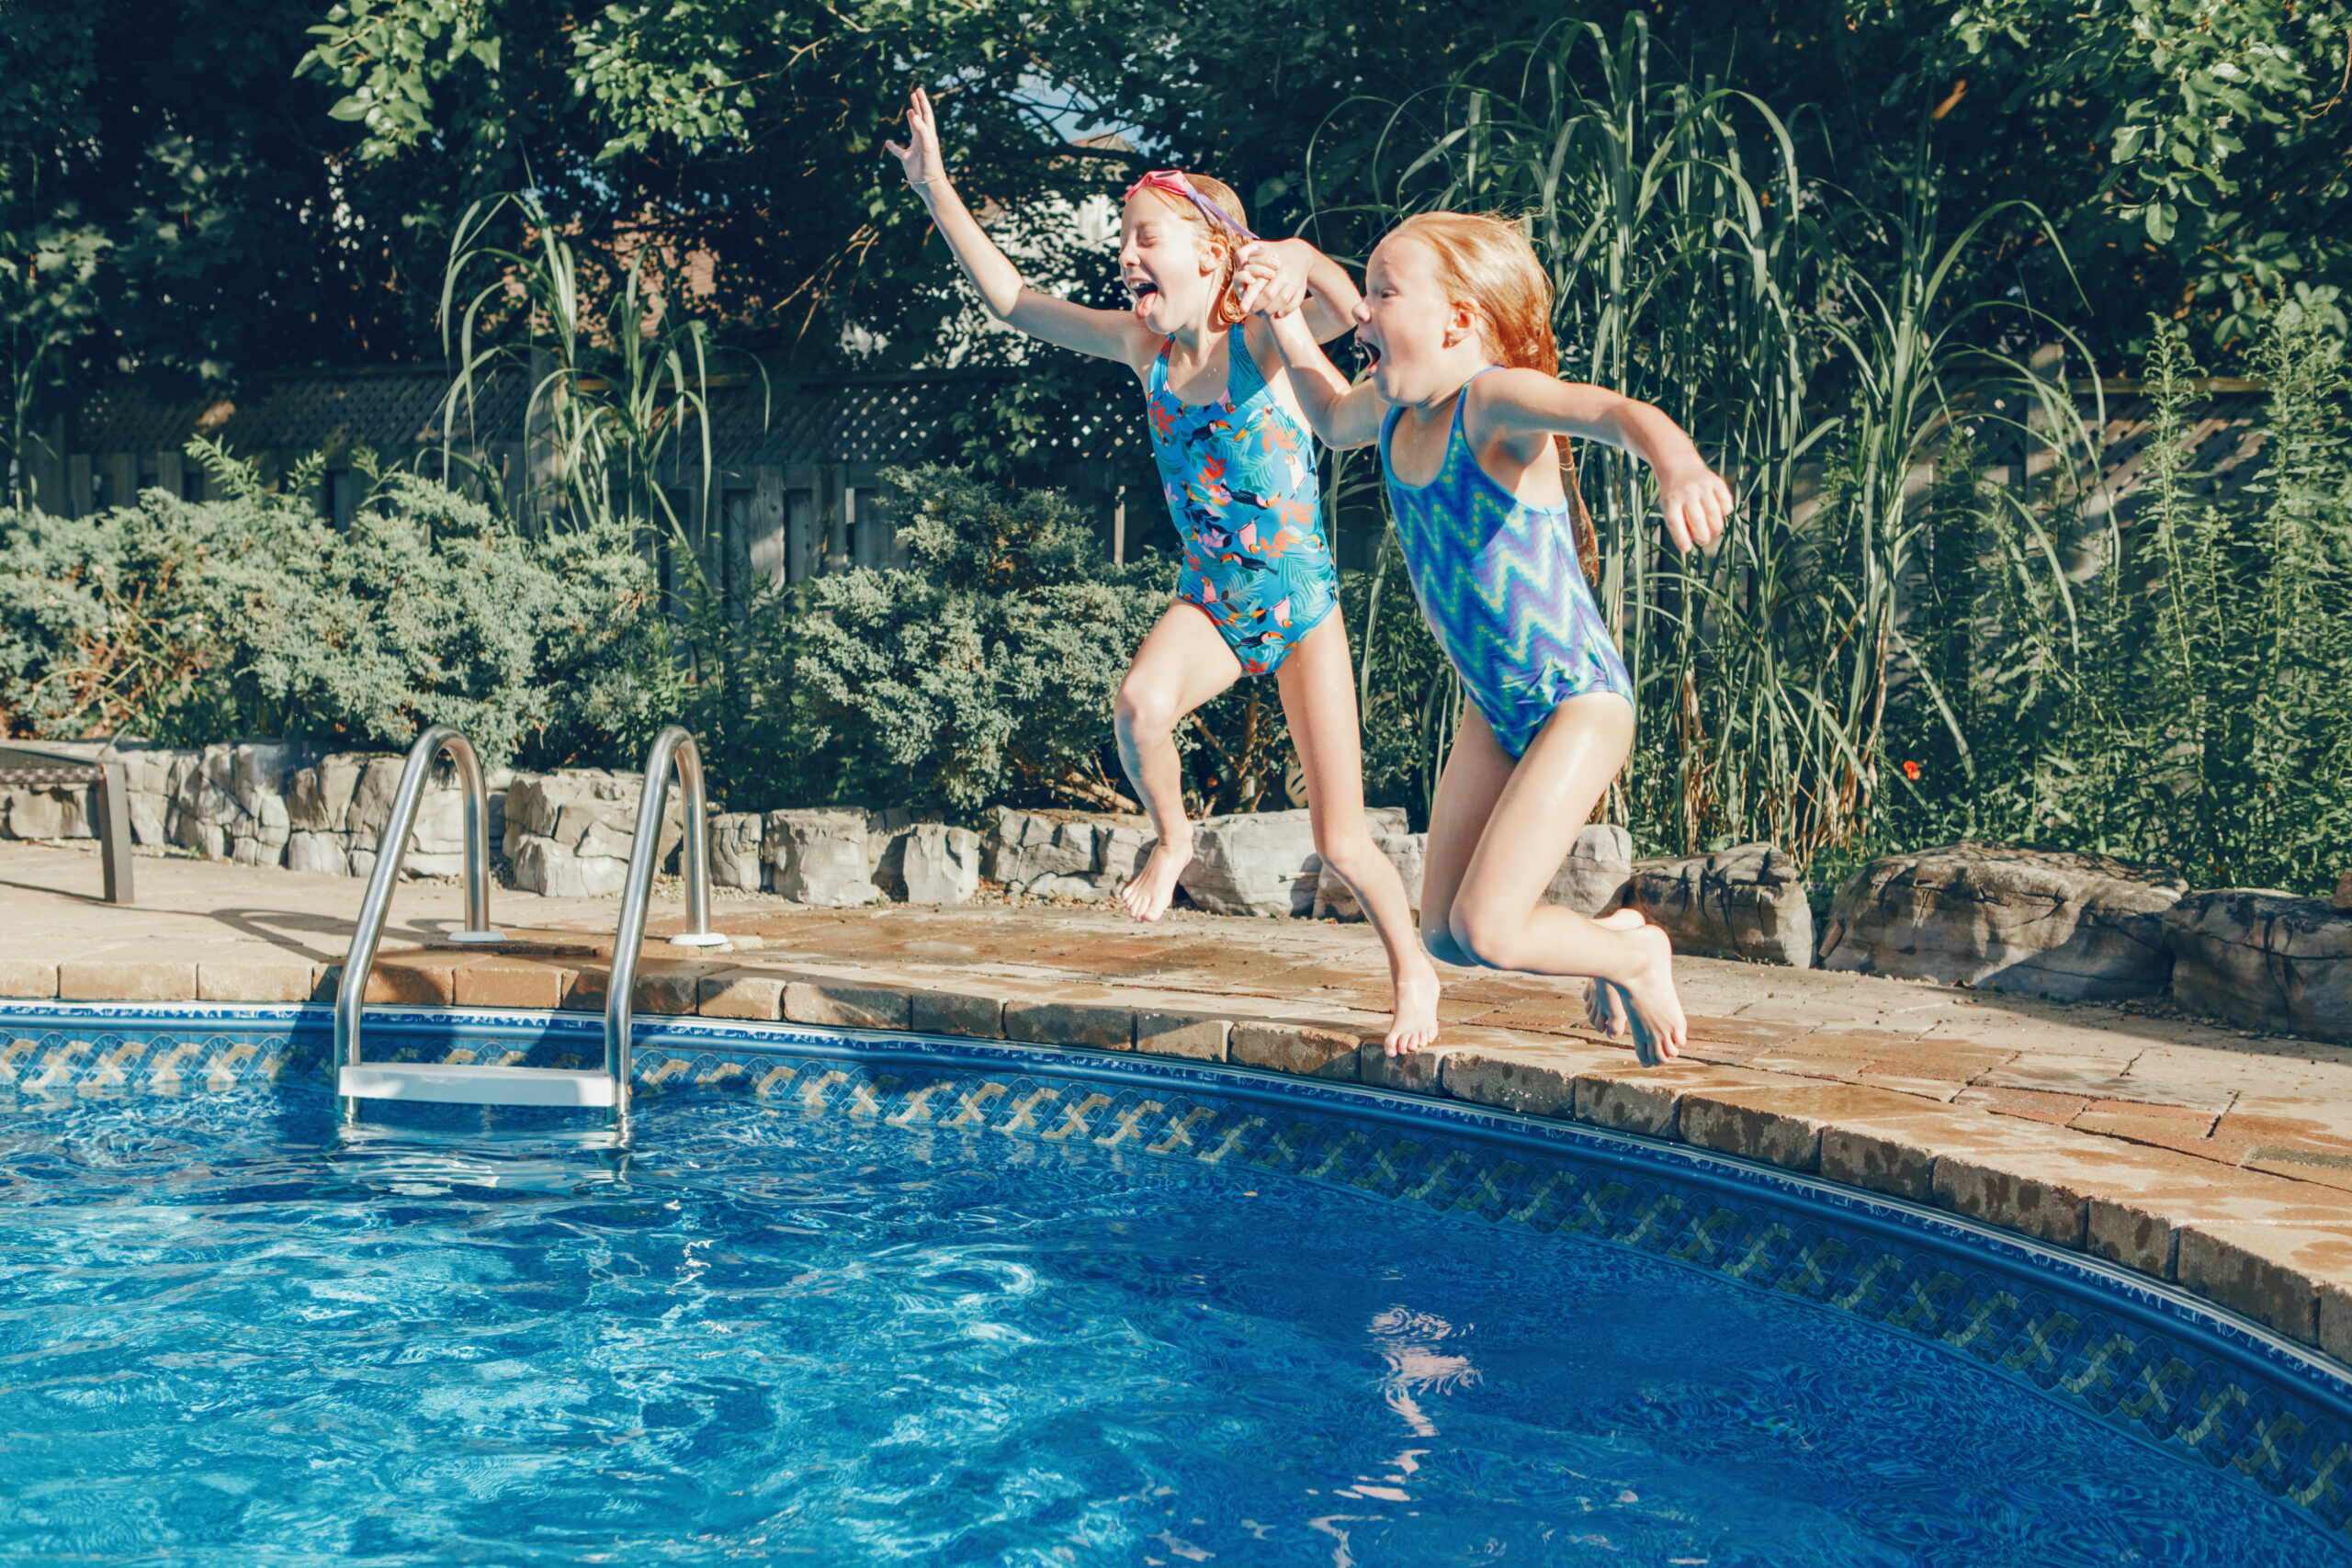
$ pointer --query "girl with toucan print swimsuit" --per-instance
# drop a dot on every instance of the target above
(1258, 593)
(1464, 401)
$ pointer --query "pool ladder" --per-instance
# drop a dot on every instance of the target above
(467, 1083)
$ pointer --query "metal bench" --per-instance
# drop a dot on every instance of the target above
(24, 766)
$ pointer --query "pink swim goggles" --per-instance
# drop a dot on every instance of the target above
(1171, 182)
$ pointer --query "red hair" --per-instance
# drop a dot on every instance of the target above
(1484, 264)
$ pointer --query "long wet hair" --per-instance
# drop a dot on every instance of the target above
(1486, 263)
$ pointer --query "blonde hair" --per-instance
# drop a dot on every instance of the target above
(1486, 264)
(1219, 195)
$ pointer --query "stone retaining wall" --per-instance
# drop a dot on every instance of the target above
(2074, 927)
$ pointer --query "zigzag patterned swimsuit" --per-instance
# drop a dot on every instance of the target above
(1500, 584)
(1240, 476)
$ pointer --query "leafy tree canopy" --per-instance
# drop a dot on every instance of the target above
(251, 183)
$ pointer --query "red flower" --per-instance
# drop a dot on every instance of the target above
(1911, 772)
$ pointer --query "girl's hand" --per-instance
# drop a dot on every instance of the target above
(920, 157)
(1696, 503)
(1268, 280)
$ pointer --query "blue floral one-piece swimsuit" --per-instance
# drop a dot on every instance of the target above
(1500, 585)
(1240, 481)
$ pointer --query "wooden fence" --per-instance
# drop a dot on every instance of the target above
(799, 486)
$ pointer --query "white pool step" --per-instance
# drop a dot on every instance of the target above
(467, 1083)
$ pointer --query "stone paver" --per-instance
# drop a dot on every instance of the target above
(2187, 1149)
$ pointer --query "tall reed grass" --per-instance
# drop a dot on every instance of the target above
(2183, 693)
(1810, 347)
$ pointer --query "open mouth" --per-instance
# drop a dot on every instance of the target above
(1141, 290)
(1371, 352)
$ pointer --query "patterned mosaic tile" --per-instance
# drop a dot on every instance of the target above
(2123, 1350)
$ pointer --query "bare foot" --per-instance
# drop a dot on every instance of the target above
(1147, 897)
(1604, 1003)
(1651, 1005)
(1414, 1022)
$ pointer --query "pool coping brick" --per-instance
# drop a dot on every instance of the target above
(2276, 1248)
(127, 980)
(841, 1004)
(1310, 1051)
(290, 980)
(26, 979)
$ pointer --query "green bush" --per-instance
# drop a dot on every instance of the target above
(982, 672)
(194, 623)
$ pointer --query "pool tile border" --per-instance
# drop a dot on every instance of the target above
(2270, 1248)
(2139, 1355)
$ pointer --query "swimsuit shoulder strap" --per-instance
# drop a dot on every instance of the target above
(1462, 403)
(1157, 382)
(1240, 367)
(1457, 439)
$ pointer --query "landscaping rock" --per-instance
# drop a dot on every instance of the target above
(318, 799)
(1254, 863)
(821, 856)
(1745, 902)
(150, 780)
(2263, 960)
(2342, 899)
(62, 812)
(1064, 854)
(258, 832)
(319, 812)
(940, 864)
(1029, 851)
(571, 832)
(206, 804)
(338, 807)
(1025, 845)
(738, 856)
(152, 776)
(326, 853)
(1594, 879)
(229, 802)
(2045, 922)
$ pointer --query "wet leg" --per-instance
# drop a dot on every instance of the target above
(1494, 911)
(1318, 685)
(1182, 663)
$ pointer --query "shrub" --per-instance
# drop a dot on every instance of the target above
(194, 623)
(984, 671)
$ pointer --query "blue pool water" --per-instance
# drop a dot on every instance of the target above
(230, 1335)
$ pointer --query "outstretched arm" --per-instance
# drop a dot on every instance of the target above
(1341, 416)
(1525, 408)
(1109, 334)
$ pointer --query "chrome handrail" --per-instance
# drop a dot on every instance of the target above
(673, 748)
(391, 848)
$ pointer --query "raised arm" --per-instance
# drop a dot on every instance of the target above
(1341, 416)
(1108, 334)
(1524, 409)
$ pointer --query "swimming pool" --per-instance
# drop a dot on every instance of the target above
(858, 1298)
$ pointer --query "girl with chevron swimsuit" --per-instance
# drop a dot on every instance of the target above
(1258, 593)
(1465, 399)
